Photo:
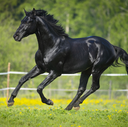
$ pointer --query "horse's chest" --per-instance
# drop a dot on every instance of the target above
(43, 61)
(51, 59)
(50, 55)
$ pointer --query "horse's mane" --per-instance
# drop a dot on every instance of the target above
(50, 20)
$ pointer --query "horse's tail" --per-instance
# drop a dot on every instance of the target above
(120, 53)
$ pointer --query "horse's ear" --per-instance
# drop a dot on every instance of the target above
(34, 12)
(25, 11)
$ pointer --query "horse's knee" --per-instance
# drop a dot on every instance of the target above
(80, 91)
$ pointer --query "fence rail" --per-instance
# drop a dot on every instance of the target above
(16, 72)
(109, 91)
(62, 93)
(12, 88)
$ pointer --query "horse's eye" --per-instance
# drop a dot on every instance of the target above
(30, 20)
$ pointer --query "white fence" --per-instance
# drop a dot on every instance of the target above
(16, 72)
(109, 91)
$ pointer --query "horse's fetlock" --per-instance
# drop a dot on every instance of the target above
(13, 95)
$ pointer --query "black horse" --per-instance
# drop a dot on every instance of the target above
(59, 54)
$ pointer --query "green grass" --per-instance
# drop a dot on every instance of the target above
(112, 115)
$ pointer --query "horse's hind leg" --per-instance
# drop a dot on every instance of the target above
(95, 83)
(94, 87)
(82, 86)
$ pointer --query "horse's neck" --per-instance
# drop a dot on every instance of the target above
(45, 39)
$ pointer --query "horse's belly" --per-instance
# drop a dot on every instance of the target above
(76, 66)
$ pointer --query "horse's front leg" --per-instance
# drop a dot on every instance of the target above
(52, 75)
(33, 73)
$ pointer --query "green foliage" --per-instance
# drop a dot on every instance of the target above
(80, 18)
(89, 115)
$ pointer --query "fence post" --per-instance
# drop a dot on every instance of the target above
(127, 90)
(110, 89)
(8, 78)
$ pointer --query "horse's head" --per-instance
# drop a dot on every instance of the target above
(27, 26)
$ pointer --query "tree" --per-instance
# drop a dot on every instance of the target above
(79, 18)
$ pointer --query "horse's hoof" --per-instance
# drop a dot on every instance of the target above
(76, 108)
(68, 108)
(65, 109)
(10, 104)
(50, 102)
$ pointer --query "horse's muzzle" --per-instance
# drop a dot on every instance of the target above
(16, 37)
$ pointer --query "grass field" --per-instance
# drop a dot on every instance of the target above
(93, 113)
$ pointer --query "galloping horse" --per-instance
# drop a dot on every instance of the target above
(59, 54)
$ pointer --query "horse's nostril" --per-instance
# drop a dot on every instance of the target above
(15, 37)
